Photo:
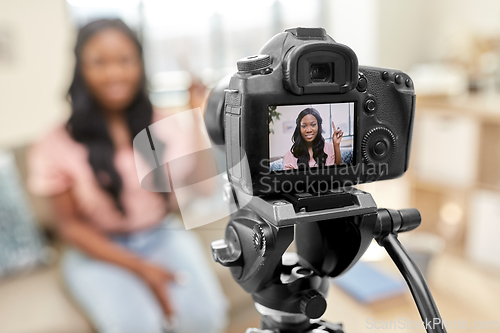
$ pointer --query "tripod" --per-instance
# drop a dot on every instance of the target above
(332, 230)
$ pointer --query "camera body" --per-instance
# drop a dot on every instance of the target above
(306, 67)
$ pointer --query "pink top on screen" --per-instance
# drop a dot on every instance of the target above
(57, 163)
(290, 161)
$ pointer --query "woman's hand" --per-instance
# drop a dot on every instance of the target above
(157, 278)
(81, 234)
(337, 135)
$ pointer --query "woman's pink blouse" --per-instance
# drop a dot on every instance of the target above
(57, 164)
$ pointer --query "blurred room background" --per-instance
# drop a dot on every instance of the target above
(451, 49)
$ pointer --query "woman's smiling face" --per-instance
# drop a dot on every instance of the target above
(112, 69)
(309, 128)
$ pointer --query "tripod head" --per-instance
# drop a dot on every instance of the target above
(331, 231)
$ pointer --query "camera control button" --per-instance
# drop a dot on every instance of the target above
(378, 145)
(398, 78)
(385, 75)
(408, 83)
(370, 106)
(362, 84)
(380, 148)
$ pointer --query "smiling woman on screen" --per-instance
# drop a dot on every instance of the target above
(309, 148)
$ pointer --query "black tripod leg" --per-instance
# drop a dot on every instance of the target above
(416, 282)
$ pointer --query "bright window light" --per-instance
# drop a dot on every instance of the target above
(103, 3)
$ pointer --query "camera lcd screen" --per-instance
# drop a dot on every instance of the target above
(311, 136)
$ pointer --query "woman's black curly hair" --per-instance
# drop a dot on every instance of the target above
(87, 124)
(299, 148)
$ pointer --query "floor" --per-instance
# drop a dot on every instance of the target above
(466, 295)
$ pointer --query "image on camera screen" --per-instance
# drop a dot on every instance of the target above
(311, 135)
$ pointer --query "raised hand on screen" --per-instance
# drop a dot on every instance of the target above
(337, 135)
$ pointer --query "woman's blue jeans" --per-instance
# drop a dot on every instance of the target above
(117, 300)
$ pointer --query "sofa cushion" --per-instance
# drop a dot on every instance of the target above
(21, 244)
(36, 303)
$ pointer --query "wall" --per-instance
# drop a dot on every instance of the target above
(33, 83)
(389, 33)
(399, 34)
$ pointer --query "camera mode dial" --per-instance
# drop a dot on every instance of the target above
(255, 63)
(378, 145)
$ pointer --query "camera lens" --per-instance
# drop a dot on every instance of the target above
(320, 72)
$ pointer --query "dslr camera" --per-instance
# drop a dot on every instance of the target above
(302, 116)
(301, 123)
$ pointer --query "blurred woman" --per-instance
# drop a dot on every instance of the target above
(309, 148)
(127, 249)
